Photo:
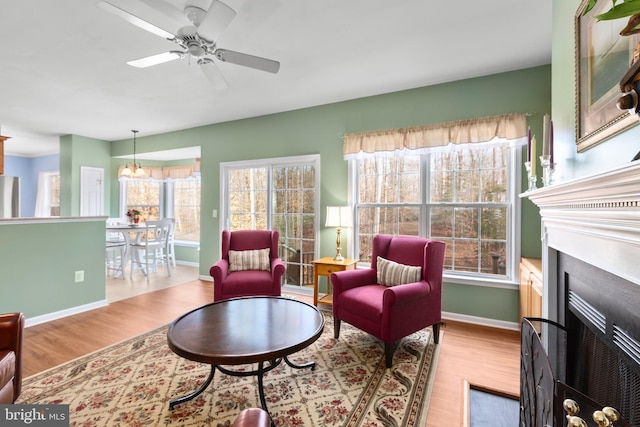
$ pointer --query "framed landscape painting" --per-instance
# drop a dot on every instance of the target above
(603, 56)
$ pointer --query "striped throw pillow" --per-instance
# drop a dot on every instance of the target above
(392, 273)
(255, 259)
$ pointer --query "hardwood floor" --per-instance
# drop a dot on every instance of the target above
(483, 356)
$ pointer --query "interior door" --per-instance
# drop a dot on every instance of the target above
(91, 191)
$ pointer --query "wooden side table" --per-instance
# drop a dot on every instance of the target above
(324, 267)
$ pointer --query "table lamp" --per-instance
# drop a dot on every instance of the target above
(339, 216)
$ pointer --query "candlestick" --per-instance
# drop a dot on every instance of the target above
(531, 177)
(547, 170)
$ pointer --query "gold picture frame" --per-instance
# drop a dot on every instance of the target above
(602, 57)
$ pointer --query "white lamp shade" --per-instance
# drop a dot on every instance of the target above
(339, 216)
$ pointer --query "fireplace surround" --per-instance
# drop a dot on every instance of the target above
(591, 268)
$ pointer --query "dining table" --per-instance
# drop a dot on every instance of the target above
(131, 232)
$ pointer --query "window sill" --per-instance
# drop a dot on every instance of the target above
(485, 282)
(187, 243)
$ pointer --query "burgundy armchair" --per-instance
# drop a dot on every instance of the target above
(247, 282)
(11, 330)
(392, 312)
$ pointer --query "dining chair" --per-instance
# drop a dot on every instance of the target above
(115, 248)
(169, 255)
(146, 249)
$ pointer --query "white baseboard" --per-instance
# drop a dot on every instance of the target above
(188, 263)
(207, 278)
(501, 324)
(32, 321)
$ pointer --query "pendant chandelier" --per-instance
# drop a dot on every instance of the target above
(133, 169)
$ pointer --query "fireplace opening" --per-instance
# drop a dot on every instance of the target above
(601, 313)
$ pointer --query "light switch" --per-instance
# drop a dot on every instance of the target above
(215, 213)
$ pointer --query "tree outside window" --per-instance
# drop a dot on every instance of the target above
(280, 194)
(463, 197)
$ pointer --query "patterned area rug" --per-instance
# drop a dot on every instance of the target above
(131, 383)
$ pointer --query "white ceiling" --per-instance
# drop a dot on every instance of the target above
(63, 63)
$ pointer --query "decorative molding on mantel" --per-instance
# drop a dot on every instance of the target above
(595, 219)
(614, 188)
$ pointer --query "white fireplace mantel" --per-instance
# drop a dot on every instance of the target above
(595, 219)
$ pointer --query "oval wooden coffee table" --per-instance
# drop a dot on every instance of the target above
(262, 330)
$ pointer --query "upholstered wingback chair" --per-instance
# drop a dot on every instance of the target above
(249, 266)
(11, 330)
(400, 294)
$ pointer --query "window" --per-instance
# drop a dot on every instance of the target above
(54, 186)
(48, 195)
(464, 197)
(279, 194)
(173, 198)
(143, 195)
(185, 208)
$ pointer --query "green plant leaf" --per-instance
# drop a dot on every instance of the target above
(627, 8)
(590, 6)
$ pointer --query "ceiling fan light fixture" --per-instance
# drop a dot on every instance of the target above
(196, 50)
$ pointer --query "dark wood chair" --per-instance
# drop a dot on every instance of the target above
(11, 331)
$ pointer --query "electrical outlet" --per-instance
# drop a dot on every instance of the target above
(79, 276)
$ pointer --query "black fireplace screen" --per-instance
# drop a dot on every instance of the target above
(602, 374)
(548, 376)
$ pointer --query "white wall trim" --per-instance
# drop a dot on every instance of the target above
(32, 321)
(51, 220)
(483, 321)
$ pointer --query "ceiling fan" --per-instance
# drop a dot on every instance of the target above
(197, 40)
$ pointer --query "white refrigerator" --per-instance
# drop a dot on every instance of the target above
(9, 196)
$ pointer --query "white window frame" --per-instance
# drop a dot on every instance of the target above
(511, 278)
(169, 207)
(123, 198)
(270, 163)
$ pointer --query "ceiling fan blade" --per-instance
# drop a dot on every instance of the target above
(156, 59)
(247, 60)
(212, 72)
(132, 19)
(218, 18)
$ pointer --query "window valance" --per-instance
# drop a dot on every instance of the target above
(166, 173)
(512, 127)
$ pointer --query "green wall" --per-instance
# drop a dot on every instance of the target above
(77, 151)
(318, 130)
(613, 152)
(38, 268)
